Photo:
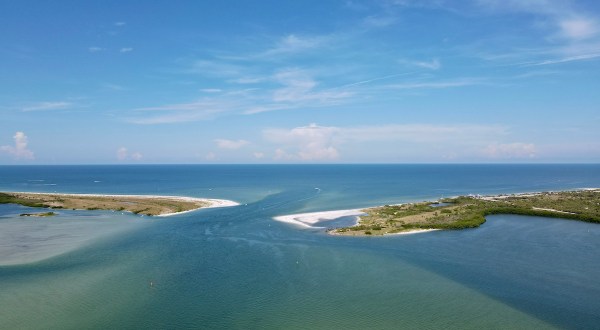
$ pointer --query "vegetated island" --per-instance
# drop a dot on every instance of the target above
(39, 215)
(137, 204)
(470, 211)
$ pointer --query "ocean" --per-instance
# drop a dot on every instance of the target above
(238, 268)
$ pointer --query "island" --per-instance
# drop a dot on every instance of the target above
(454, 213)
(39, 215)
(138, 204)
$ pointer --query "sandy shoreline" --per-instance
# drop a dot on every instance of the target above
(309, 219)
(212, 203)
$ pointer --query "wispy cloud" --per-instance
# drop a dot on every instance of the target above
(292, 43)
(114, 87)
(120, 24)
(434, 64)
(216, 68)
(46, 106)
(438, 84)
(211, 156)
(95, 49)
(378, 21)
(298, 86)
(126, 49)
(211, 90)
(124, 155)
(248, 80)
(510, 150)
(231, 144)
(325, 143)
(177, 113)
(368, 81)
(424, 133)
(578, 28)
(567, 59)
(19, 150)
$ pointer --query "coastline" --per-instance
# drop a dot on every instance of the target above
(308, 219)
(127, 202)
(458, 212)
(214, 203)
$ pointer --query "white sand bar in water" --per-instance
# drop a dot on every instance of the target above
(309, 219)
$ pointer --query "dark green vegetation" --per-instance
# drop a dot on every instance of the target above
(12, 199)
(43, 214)
(470, 211)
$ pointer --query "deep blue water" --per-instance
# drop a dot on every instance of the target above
(237, 268)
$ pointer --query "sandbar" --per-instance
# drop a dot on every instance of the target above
(152, 205)
(309, 219)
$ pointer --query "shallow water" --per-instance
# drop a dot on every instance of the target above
(237, 268)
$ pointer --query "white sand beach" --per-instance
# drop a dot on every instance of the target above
(307, 220)
(212, 203)
(414, 231)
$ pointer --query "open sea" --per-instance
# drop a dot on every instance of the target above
(237, 268)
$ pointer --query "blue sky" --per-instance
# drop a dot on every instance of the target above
(485, 81)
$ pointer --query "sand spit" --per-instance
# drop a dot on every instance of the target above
(155, 205)
(307, 220)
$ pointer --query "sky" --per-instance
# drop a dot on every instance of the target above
(348, 81)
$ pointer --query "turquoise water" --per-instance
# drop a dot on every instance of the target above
(237, 268)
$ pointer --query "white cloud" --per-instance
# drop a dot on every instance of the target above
(298, 86)
(379, 21)
(248, 80)
(181, 112)
(231, 144)
(423, 133)
(95, 49)
(569, 22)
(123, 155)
(319, 143)
(211, 156)
(136, 156)
(215, 68)
(258, 155)
(578, 28)
(510, 150)
(438, 84)
(120, 23)
(294, 44)
(211, 90)
(43, 106)
(114, 87)
(308, 143)
(19, 150)
(434, 64)
(126, 49)
(368, 81)
(582, 57)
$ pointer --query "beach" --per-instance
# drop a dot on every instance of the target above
(452, 213)
(152, 205)
(309, 219)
